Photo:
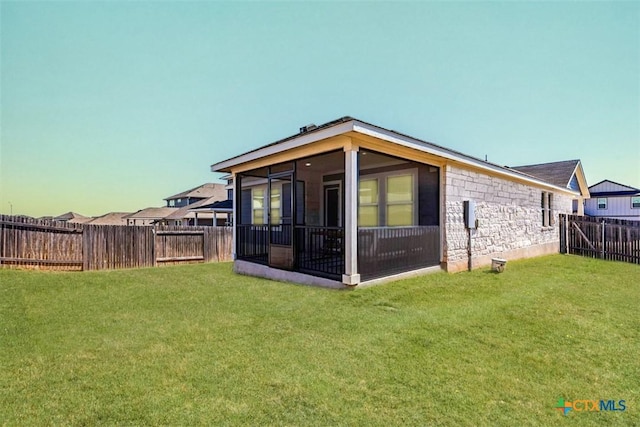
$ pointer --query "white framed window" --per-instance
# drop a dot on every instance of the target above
(546, 206)
(368, 203)
(635, 202)
(257, 206)
(276, 205)
(388, 199)
(400, 200)
(602, 203)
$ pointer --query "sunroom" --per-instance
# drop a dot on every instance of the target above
(335, 206)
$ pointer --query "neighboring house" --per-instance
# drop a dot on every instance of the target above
(199, 213)
(612, 200)
(150, 216)
(111, 218)
(222, 210)
(73, 218)
(349, 202)
(567, 174)
(196, 194)
(179, 208)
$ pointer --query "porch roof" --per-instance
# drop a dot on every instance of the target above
(347, 124)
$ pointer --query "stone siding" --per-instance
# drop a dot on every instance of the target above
(509, 219)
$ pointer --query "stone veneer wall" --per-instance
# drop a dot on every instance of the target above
(509, 219)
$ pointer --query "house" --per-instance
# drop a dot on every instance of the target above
(222, 210)
(567, 174)
(72, 218)
(612, 200)
(200, 213)
(349, 203)
(204, 191)
(149, 216)
(111, 218)
(178, 210)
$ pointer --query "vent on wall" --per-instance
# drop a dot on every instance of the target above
(307, 128)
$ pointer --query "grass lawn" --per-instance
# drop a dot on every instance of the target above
(197, 344)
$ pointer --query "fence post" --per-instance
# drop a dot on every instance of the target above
(566, 234)
(154, 263)
(85, 247)
(603, 251)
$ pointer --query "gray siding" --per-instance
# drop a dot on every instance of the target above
(617, 207)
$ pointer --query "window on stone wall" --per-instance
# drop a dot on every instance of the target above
(602, 203)
(546, 201)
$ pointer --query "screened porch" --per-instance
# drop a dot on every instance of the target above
(295, 215)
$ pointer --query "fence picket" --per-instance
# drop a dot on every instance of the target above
(58, 245)
(610, 239)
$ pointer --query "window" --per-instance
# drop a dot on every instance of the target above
(635, 202)
(400, 200)
(368, 203)
(602, 203)
(257, 206)
(388, 199)
(546, 206)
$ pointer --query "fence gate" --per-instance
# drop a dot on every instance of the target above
(604, 238)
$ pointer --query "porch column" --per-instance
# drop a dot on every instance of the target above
(580, 206)
(351, 276)
(236, 220)
(196, 220)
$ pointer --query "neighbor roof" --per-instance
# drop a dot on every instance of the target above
(185, 211)
(349, 124)
(69, 216)
(111, 218)
(220, 206)
(152, 213)
(626, 190)
(558, 173)
(202, 191)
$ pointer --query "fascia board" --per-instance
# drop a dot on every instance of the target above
(582, 181)
(296, 142)
(460, 158)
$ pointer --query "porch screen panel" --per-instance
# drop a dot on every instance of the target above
(251, 233)
(245, 207)
(300, 203)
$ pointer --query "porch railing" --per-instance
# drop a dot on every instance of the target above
(252, 243)
(390, 250)
(320, 251)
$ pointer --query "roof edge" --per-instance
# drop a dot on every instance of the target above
(347, 124)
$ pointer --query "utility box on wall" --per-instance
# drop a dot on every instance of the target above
(469, 209)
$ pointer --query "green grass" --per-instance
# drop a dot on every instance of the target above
(199, 345)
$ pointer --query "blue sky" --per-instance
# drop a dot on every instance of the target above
(112, 106)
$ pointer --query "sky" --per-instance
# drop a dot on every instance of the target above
(115, 105)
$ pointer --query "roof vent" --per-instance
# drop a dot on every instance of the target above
(307, 128)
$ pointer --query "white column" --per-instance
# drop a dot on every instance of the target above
(580, 206)
(236, 221)
(351, 276)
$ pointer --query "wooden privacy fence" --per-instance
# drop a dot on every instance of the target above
(62, 246)
(605, 238)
